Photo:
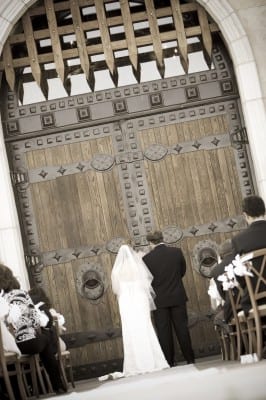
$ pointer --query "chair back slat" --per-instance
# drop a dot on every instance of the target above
(234, 324)
(256, 265)
(256, 285)
(64, 359)
(7, 359)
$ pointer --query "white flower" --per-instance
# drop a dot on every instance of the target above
(229, 269)
(60, 318)
(212, 290)
(14, 314)
(44, 319)
(222, 278)
(228, 278)
(215, 297)
(226, 285)
(240, 268)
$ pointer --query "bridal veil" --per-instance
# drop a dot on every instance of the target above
(129, 267)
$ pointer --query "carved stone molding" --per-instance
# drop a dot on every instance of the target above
(89, 110)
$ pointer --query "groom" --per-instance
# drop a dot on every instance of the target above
(168, 266)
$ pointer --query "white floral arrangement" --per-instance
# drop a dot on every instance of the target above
(215, 297)
(236, 268)
(9, 312)
(60, 318)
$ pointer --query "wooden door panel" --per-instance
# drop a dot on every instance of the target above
(81, 315)
(189, 185)
(196, 187)
(76, 209)
(80, 209)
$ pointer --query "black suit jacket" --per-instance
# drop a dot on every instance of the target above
(252, 238)
(168, 266)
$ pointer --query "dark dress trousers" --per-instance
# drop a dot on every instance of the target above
(168, 266)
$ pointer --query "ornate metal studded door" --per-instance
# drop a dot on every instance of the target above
(92, 170)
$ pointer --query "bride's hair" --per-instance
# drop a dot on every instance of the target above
(127, 242)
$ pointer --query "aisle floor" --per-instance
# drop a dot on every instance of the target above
(207, 379)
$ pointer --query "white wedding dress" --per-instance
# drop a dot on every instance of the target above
(131, 282)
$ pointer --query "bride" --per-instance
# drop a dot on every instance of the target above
(131, 282)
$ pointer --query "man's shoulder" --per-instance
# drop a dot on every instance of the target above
(155, 251)
(249, 230)
(251, 238)
(173, 249)
(163, 248)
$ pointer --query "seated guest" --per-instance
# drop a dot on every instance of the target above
(224, 313)
(43, 304)
(226, 256)
(250, 239)
(26, 325)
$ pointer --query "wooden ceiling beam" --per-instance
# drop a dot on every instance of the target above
(119, 45)
(55, 40)
(8, 65)
(44, 36)
(205, 35)
(91, 25)
(33, 55)
(81, 43)
(130, 37)
(180, 34)
(106, 40)
(121, 62)
(155, 36)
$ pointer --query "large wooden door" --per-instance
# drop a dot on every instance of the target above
(94, 170)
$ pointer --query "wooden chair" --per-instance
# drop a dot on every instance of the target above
(31, 375)
(64, 360)
(256, 285)
(238, 330)
(11, 366)
(44, 383)
(224, 340)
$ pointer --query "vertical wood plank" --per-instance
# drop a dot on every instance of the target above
(155, 35)
(130, 34)
(180, 33)
(33, 55)
(206, 35)
(106, 40)
(8, 65)
(81, 42)
(55, 40)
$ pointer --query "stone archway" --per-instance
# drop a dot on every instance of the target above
(152, 159)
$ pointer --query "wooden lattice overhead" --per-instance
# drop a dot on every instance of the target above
(57, 38)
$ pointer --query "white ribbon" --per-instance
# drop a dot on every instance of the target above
(236, 268)
(240, 269)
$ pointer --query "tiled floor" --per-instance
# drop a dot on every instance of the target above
(207, 379)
